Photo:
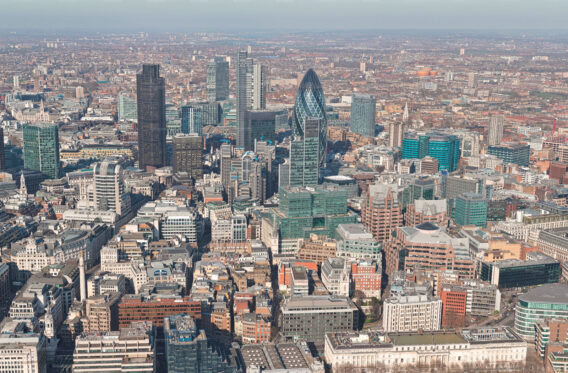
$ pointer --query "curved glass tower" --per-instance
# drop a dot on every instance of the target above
(310, 103)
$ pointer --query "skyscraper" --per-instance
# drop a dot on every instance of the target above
(241, 73)
(192, 119)
(2, 154)
(188, 151)
(304, 155)
(151, 102)
(109, 192)
(496, 124)
(445, 148)
(260, 126)
(363, 113)
(217, 80)
(471, 209)
(310, 102)
(395, 134)
(258, 87)
(41, 148)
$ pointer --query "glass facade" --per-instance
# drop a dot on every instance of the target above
(521, 275)
(41, 149)
(444, 148)
(531, 308)
(310, 102)
(304, 156)
(191, 119)
(127, 109)
(512, 153)
(470, 209)
(363, 113)
(414, 146)
(217, 80)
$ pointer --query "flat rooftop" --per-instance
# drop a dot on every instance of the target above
(426, 339)
(549, 293)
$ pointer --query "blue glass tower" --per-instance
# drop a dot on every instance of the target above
(310, 102)
(446, 149)
(414, 146)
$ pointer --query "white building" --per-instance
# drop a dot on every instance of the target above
(22, 351)
(495, 347)
(412, 312)
(336, 276)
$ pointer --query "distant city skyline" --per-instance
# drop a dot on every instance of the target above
(289, 15)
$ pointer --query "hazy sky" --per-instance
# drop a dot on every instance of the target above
(235, 15)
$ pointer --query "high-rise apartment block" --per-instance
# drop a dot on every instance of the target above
(496, 124)
(151, 104)
(41, 148)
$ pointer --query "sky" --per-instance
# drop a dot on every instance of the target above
(280, 15)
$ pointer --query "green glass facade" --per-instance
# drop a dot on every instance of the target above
(470, 209)
(320, 210)
(534, 306)
(414, 146)
(41, 148)
(363, 113)
(304, 155)
(444, 148)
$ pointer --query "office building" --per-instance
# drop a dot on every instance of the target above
(536, 269)
(363, 113)
(257, 85)
(396, 133)
(108, 188)
(243, 65)
(127, 108)
(217, 80)
(154, 308)
(317, 248)
(192, 119)
(495, 347)
(382, 210)
(310, 102)
(444, 148)
(411, 312)
(281, 357)
(41, 148)
(188, 151)
(188, 350)
(311, 317)
(454, 305)
(543, 302)
(22, 349)
(304, 155)
(495, 132)
(2, 151)
(336, 276)
(514, 153)
(366, 277)
(151, 104)
(471, 209)
(414, 146)
(354, 241)
(428, 247)
(259, 126)
(127, 350)
(426, 211)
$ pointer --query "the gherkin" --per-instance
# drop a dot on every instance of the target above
(310, 103)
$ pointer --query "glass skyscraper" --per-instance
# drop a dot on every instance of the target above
(151, 102)
(127, 108)
(41, 148)
(414, 146)
(471, 209)
(191, 119)
(363, 113)
(304, 155)
(217, 80)
(310, 102)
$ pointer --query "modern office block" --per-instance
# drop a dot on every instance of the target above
(151, 102)
(192, 119)
(188, 150)
(217, 80)
(414, 146)
(514, 153)
(304, 155)
(127, 108)
(41, 148)
(496, 124)
(109, 192)
(442, 147)
(471, 209)
(363, 113)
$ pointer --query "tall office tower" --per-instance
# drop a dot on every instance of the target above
(496, 124)
(188, 350)
(382, 210)
(226, 153)
(127, 109)
(2, 154)
(188, 150)
(310, 102)
(260, 125)
(241, 73)
(41, 148)
(446, 149)
(258, 87)
(192, 119)
(396, 130)
(217, 80)
(363, 113)
(109, 192)
(16, 82)
(304, 155)
(472, 80)
(151, 102)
